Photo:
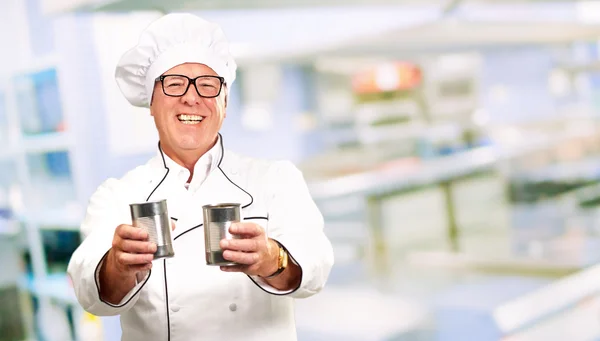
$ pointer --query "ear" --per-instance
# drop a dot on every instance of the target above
(225, 99)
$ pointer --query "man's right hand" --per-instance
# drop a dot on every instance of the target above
(131, 253)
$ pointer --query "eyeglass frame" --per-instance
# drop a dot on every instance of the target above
(191, 81)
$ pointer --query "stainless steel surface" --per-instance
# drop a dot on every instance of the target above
(154, 218)
(217, 220)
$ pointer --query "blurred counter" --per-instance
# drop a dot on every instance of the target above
(449, 305)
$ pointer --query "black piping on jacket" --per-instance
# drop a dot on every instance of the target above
(149, 271)
(164, 260)
(248, 218)
(193, 228)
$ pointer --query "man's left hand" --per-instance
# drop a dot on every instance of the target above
(257, 254)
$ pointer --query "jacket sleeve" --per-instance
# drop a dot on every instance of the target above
(102, 218)
(296, 222)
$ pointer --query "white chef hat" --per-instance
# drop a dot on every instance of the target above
(171, 40)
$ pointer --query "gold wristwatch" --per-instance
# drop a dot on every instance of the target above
(282, 261)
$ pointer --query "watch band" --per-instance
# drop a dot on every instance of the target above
(282, 261)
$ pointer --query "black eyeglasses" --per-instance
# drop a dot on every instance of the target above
(178, 85)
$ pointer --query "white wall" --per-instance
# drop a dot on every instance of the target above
(14, 35)
(130, 130)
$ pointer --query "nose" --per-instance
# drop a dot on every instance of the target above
(191, 96)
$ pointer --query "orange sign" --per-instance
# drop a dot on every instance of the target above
(392, 76)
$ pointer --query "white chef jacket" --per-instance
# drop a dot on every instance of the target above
(182, 298)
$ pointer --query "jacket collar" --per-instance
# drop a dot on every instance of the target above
(220, 185)
(180, 174)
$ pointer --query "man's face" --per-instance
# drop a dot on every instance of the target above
(190, 122)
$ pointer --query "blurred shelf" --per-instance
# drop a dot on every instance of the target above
(8, 153)
(42, 143)
(582, 169)
(48, 227)
(403, 177)
(54, 286)
(577, 67)
(47, 142)
(178, 5)
(556, 297)
(58, 219)
(8, 228)
(576, 324)
(588, 196)
(407, 133)
(393, 178)
(28, 66)
(494, 264)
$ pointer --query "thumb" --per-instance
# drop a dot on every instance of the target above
(172, 225)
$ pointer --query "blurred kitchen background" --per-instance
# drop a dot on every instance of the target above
(453, 147)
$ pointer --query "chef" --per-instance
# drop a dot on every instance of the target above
(182, 70)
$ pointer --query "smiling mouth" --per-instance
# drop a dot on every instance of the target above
(190, 119)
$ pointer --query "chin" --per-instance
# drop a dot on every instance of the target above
(190, 146)
(191, 142)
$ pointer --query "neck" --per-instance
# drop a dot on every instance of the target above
(187, 158)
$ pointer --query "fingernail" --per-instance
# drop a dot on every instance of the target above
(152, 248)
(233, 228)
(224, 243)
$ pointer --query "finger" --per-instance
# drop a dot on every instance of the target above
(131, 232)
(172, 225)
(138, 268)
(241, 257)
(235, 268)
(246, 229)
(246, 245)
(134, 259)
(137, 246)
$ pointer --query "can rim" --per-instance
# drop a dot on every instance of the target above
(148, 202)
(221, 205)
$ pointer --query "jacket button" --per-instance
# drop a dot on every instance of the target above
(233, 307)
(174, 308)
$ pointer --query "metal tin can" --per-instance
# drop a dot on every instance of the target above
(217, 220)
(153, 217)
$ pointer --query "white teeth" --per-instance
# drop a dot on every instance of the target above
(190, 119)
